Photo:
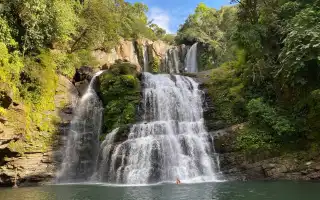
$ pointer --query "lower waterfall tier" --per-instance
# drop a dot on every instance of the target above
(170, 143)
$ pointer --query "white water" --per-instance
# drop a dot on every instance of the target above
(81, 153)
(172, 61)
(191, 63)
(170, 143)
(145, 59)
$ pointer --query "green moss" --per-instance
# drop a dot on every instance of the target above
(139, 51)
(155, 64)
(3, 112)
(18, 146)
(206, 58)
(120, 92)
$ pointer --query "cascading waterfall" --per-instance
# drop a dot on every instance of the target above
(170, 143)
(145, 59)
(191, 63)
(172, 61)
(81, 153)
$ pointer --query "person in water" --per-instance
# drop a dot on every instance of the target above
(178, 181)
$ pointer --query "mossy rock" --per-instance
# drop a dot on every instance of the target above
(139, 51)
(155, 64)
(120, 91)
(6, 95)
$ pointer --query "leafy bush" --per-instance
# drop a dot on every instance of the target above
(155, 64)
(120, 92)
(262, 115)
(226, 91)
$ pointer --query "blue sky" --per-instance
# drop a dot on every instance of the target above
(169, 14)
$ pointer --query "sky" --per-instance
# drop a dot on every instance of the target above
(169, 14)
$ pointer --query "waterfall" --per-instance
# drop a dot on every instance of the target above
(145, 59)
(172, 61)
(191, 63)
(81, 153)
(105, 150)
(171, 142)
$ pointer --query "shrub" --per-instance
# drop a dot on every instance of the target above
(120, 92)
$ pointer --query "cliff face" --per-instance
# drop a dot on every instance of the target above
(147, 55)
(237, 165)
(133, 52)
(31, 166)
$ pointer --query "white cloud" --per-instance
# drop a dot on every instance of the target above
(160, 17)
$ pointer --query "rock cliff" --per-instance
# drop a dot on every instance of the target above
(147, 55)
(32, 167)
(237, 165)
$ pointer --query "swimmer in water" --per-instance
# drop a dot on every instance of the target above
(178, 181)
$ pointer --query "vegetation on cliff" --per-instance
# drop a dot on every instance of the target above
(40, 39)
(120, 92)
(271, 80)
(213, 28)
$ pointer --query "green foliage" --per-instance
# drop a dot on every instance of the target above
(264, 116)
(299, 57)
(281, 66)
(68, 62)
(313, 117)
(206, 58)
(32, 21)
(65, 22)
(40, 39)
(158, 31)
(226, 91)
(169, 38)
(212, 27)
(155, 64)
(273, 84)
(256, 141)
(5, 33)
(120, 92)
(10, 68)
(18, 147)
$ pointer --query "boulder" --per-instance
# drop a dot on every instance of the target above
(6, 95)
(83, 73)
(82, 86)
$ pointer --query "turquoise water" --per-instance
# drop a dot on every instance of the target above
(204, 191)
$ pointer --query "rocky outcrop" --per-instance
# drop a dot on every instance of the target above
(128, 51)
(15, 166)
(237, 165)
(147, 55)
(5, 95)
(82, 78)
(33, 167)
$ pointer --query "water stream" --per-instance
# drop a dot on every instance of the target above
(170, 143)
(82, 148)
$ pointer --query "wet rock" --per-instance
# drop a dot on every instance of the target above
(82, 86)
(314, 176)
(83, 73)
(215, 125)
(6, 95)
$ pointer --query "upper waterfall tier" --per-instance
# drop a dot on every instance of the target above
(191, 63)
(151, 56)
